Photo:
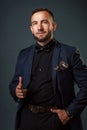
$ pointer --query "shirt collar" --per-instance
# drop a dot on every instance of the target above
(46, 48)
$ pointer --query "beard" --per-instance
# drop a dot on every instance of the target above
(46, 38)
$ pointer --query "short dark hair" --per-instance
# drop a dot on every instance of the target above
(43, 9)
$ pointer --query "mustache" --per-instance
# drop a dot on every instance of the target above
(41, 30)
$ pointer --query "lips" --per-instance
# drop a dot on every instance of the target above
(40, 32)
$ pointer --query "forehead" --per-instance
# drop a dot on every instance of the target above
(40, 16)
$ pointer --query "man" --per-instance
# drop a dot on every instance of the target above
(43, 83)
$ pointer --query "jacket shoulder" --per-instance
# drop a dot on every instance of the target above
(67, 51)
(26, 50)
(67, 48)
(24, 53)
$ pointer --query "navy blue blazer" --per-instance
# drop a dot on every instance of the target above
(67, 69)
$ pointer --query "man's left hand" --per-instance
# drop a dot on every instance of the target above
(62, 114)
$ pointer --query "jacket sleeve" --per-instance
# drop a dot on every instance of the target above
(14, 81)
(79, 70)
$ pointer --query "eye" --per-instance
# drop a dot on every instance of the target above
(34, 23)
(45, 21)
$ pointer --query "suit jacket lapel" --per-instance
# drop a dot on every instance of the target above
(28, 66)
(55, 61)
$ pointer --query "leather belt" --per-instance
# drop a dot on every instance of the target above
(37, 109)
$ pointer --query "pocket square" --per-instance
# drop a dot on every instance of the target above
(61, 66)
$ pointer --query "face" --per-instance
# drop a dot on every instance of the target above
(42, 26)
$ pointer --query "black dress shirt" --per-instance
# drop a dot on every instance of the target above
(41, 88)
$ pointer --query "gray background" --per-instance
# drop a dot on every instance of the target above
(71, 17)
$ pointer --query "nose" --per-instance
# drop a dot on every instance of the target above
(40, 26)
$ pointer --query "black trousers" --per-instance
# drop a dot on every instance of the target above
(40, 121)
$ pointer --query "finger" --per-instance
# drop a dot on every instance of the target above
(18, 90)
(20, 95)
(54, 110)
(20, 83)
(24, 90)
(20, 80)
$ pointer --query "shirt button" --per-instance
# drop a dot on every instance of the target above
(40, 69)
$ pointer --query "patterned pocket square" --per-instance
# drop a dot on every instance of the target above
(61, 66)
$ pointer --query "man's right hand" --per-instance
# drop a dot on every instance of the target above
(21, 93)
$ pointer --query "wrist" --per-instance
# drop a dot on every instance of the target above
(69, 115)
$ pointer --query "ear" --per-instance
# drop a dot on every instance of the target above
(31, 29)
(54, 26)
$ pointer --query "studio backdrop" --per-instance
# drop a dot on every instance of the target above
(71, 19)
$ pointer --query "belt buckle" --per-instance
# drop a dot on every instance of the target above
(34, 109)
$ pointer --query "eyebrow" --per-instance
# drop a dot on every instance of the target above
(41, 21)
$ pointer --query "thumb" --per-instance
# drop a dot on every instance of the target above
(54, 110)
(20, 83)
